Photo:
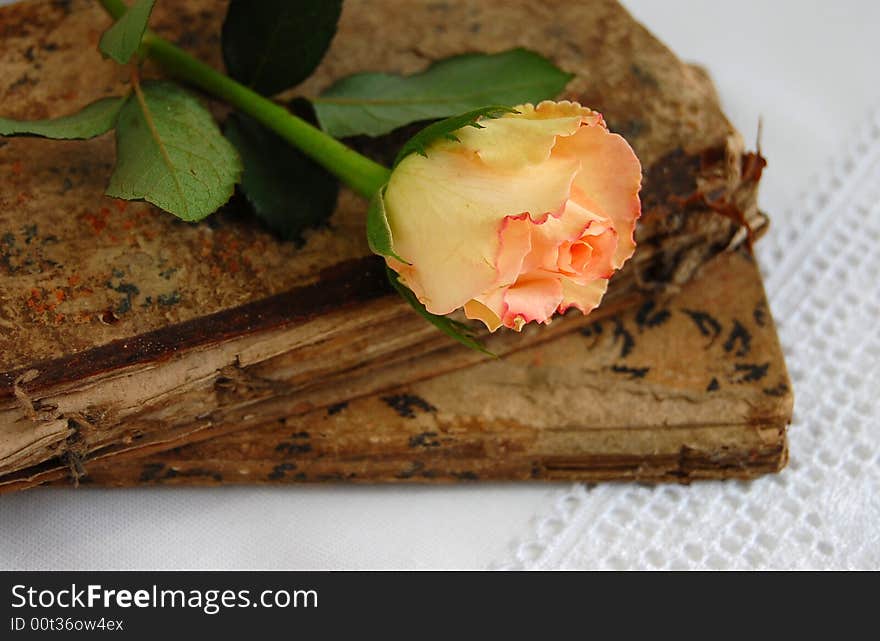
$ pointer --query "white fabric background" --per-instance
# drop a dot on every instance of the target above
(808, 68)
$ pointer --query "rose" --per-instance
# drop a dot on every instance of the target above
(529, 215)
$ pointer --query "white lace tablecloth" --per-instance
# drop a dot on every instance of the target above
(808, 69)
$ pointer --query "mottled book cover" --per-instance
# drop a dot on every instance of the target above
(123, 329)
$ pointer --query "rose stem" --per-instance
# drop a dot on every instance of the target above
(357, 171)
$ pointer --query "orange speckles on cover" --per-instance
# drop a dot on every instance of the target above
(98, 220)
(226, 249)
(16, 168)
(37, 303)
(75, 288)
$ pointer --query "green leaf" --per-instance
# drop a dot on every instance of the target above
(452, 328)
(122, 39)
(286, 189)
(376, 103)
(92, 120)
(170, 152)
(419, 143)
(271, 45)
(378, 229)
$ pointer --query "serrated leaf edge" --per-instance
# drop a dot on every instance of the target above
(445, 129)
(147, 197)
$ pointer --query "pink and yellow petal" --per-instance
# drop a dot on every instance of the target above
(532, 300)
(475, 310)
(586, 297)
(610, 177)
(445, 212)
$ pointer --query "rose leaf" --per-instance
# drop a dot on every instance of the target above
(122, 39)
(170, 152)
(376, 103)
(284, 187)
(272, 45)
(92, 120)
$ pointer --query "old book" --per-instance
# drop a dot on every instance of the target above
(678, 388)
(121, 328)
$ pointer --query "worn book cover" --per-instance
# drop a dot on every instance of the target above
(122, 328)
(679, 388)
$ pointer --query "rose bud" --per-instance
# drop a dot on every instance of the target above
(525, 216)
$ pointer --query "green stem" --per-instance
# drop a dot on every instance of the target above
(355, 170)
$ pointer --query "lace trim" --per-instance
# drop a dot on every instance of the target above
(822, 261)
